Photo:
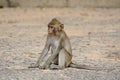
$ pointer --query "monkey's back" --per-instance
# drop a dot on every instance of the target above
(66, 43)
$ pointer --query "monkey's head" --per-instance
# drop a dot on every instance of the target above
(54, 26)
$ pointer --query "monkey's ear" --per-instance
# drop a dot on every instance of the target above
(62, 26)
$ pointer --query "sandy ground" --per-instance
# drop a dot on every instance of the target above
(94, 36)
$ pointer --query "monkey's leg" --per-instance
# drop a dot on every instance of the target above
(54, 64)
(50, 65)
(60, 60)
(64, 59)
(55, 61)
(54, 67)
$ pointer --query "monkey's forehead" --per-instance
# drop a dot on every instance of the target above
(54, 22)
(54, 25)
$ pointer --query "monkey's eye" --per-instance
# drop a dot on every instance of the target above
(50, 27)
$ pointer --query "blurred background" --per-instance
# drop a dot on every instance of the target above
(60, 3)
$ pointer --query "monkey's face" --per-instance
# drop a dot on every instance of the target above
(52, 29)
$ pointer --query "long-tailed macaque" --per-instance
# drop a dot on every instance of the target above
(61, 51)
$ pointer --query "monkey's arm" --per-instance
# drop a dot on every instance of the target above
(54, 55)
(44, 52)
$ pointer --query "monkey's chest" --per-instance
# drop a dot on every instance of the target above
(55, 43)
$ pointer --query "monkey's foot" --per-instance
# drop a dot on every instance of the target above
(41, 67)
(55, 67)
(33, 66)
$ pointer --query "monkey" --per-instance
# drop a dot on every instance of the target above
(61, 50)
(56, 39)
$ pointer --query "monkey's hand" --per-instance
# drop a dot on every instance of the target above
(33, 65)
(42, 67)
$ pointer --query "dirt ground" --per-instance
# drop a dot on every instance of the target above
(94, 34)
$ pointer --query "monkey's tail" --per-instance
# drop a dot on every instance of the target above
(73, 65)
